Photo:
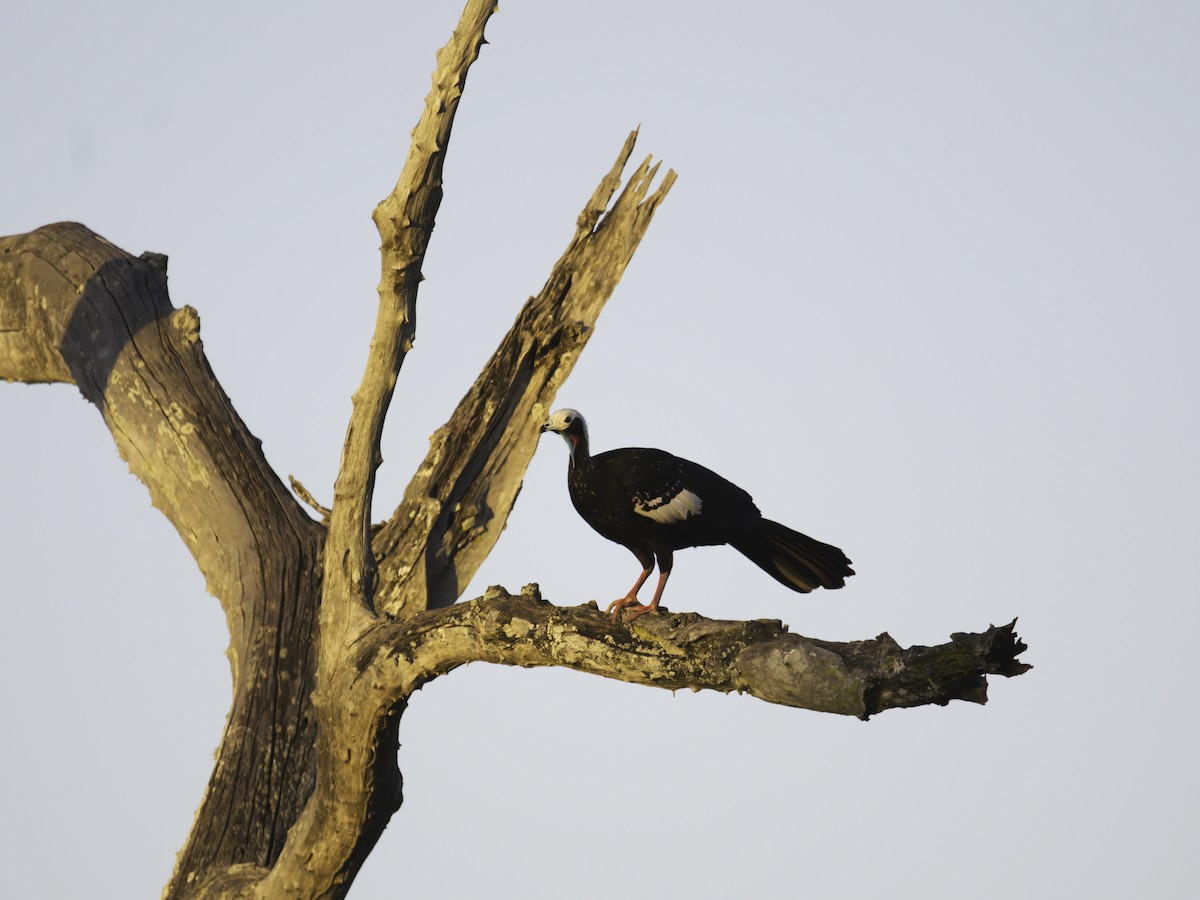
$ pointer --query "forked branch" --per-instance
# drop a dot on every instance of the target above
(457, 503)
(452, 514)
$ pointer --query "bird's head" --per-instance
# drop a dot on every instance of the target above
(570, 424)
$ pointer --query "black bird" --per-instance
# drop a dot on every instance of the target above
(655, 503)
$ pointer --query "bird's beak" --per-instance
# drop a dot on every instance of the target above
(545, 427)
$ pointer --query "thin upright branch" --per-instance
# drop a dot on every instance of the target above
(405, 219)
(357, 789)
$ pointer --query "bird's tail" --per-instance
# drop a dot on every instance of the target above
(792, 558)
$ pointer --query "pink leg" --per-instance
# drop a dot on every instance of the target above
(653, 607)
(630, 599)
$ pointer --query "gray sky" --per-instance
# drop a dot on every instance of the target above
(927, 287)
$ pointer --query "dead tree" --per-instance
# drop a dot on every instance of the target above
(334, 623)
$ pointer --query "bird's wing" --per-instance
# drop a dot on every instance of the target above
(667, 510)
(668, 489)
(656, 484)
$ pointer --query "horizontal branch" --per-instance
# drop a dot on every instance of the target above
(687, 650)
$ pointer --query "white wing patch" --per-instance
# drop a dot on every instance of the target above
(682, 506)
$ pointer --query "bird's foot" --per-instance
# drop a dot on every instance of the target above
(618, 606)
(636, 608)
(639, 610)
(627, 603)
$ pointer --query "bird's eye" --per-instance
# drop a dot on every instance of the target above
(569, 419)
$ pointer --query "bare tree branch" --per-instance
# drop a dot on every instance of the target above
(686, 650)
(350, 802)
(304, 494)
(73, 307)
(91, 314)
(405, 219)
(79, 309)
(475, 464)
(457, 503)
(100, 318)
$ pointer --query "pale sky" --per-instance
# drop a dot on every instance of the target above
(927, 287)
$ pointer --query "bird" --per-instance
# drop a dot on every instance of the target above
(654, 503)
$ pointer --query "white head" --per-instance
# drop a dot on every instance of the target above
(571, 425)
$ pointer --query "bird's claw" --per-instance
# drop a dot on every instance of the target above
(639, 610)
(618, 606)
(633, 604)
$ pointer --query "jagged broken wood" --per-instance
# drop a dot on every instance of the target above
(334, 623)
(686, 650)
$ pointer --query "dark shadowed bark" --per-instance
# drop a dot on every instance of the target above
(334, 624)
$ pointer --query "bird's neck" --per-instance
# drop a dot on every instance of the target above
(580, 457)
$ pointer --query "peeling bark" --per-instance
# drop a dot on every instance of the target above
(334, 624)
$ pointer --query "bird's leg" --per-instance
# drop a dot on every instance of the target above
(641, 610)
(630, 599)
